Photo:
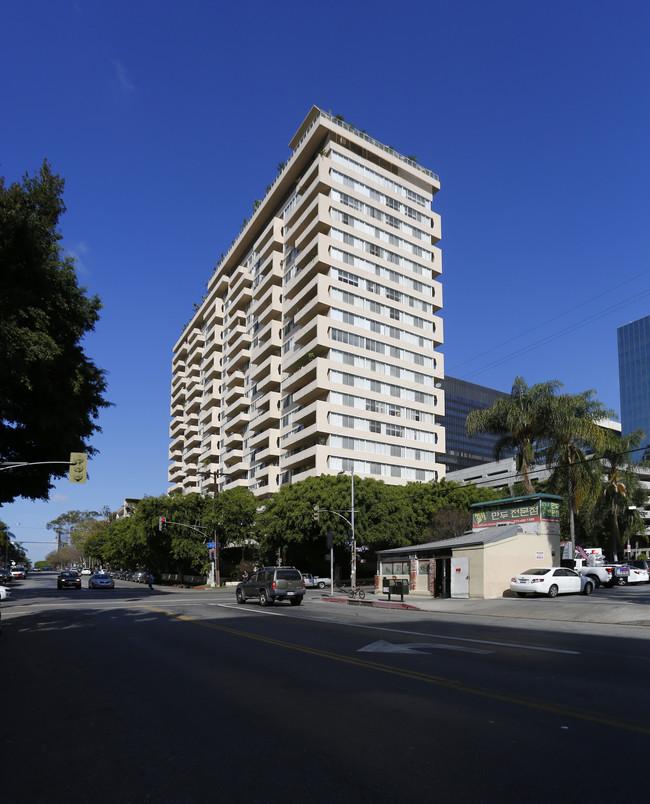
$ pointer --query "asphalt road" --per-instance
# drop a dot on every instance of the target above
(181, 696)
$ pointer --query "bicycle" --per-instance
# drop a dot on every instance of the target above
(352, 593)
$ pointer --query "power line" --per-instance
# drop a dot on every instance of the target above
(610, 309)
(557, 335)
(557, 317)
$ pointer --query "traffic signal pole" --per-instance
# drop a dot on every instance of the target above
(77, 463)
(353, 562)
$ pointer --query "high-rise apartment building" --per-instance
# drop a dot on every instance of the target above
(634, 377)
(315, 348)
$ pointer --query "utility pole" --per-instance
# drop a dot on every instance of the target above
(353, 562)
(215, 574)
(354, 540)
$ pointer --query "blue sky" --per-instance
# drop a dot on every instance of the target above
(168, 120)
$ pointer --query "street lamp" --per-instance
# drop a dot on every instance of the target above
(215, 575)
(353, 565)
(628, 549)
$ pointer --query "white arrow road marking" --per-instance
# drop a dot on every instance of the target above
(414, 647)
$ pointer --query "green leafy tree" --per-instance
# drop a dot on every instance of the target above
(97, 541)
(50, 392)
(10, 550)
(180, 548)
(233, 515)
(233, 525)
(123, 546)
(73, 529)
(521, 422)
(287, 526)
(385, 516)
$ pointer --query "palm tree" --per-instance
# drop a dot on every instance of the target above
(521, 421)
(620, 479)
(574, 429)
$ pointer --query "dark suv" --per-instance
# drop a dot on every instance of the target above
(273, 583)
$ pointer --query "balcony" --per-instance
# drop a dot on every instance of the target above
(192, 454)
(315, 260)
(303, 460)
(238, 402)
(266, 417)
(195, 339)
(209, 420)
(211, 368)
(178, 380)
(270, 305)
(314, 215)
(240, 280)
(272, 276)
(237, 471)
(302, 376)
(239, 421)
(237, 360)
(232, 439)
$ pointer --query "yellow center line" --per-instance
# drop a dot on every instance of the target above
(413, 675)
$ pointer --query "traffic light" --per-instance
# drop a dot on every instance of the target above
(316, 513)
(78, 465)
(330, 540)
(211, 551)
(162, 522)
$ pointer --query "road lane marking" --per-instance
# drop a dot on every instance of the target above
(381, 646)
(413, 675)
(491, 643)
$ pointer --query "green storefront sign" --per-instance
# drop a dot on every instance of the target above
(518, 511)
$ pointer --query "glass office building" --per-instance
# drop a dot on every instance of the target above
(634, 377)
(461, 398)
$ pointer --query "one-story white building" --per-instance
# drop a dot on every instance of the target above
(508, 536)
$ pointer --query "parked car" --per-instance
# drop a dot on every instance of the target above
(5, 592)
(637, 575)
(315, 581)
(272, 583)
(101, 580)
(641, 563)
(68, 579)
(5, 575)
(551, 581)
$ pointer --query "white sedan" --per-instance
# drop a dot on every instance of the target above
(637, 575)
(551, 581)
(5, 592)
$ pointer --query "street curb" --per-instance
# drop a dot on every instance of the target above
(379, 604)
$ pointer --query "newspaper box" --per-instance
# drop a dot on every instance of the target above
(395, 586)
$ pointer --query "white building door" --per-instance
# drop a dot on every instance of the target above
(460, 577)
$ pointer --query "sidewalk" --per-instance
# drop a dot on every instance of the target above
(570, 608)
